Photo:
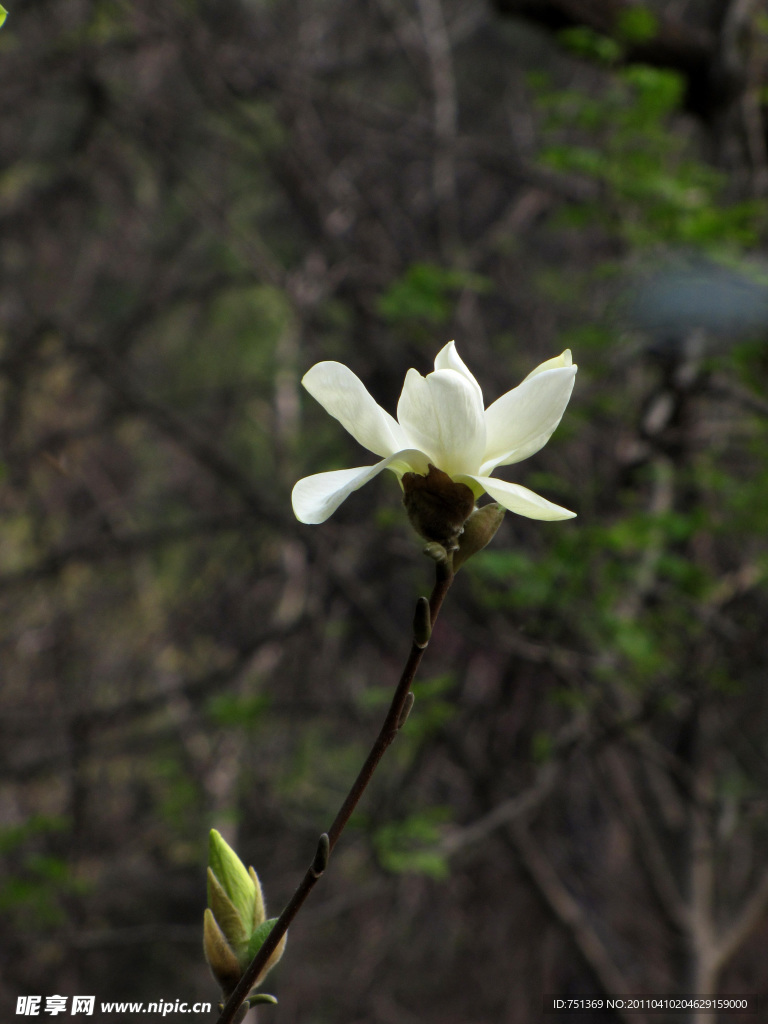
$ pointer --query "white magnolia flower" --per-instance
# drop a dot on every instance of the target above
(441, 421)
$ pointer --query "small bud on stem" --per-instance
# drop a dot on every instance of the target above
(422, 623)
(323, 852)
(235, 924)
(479, 530)
(409, 699)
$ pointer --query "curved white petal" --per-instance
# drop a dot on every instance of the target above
(345, 397)
(317, 497)
(522, 421)
(519, 499)
(442, 414)
(564, 359)
(448, 359)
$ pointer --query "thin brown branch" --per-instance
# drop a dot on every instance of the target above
(701, 926)
(748, 918)
(570, 914)
(115, 375)
(438, 49)
(389, 729)
(652, 855)
(523, 803)
(113, 546)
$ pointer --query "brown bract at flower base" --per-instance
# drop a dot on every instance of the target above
(437, 506)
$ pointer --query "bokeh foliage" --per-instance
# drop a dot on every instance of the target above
(197, 203)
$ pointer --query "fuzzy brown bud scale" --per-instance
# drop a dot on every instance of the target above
(437, 506)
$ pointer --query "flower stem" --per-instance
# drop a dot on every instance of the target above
(387, 733)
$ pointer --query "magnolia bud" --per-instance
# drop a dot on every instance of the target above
(479, 530)
(240, 887)
(235, 925)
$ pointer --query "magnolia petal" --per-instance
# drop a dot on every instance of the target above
(317, 497)
(564, 359)
(522, 501)
(344, 396)
(448, 359)
(442, 414)
(521, 422)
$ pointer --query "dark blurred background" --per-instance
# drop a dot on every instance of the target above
(200, 199)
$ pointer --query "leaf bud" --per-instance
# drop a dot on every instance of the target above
(422, 623)
(407, 708)
(234, 925)
(322, 853)
(479, 530)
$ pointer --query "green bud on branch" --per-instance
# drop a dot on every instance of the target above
(235, 925)
(242, 888)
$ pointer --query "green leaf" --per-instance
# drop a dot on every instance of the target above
(411, 845)
(3, 16)
(259, 937)
(585, 42)
(228, 709)
(426, 292)
(542, 747)
(262, 997)
(637, 25)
